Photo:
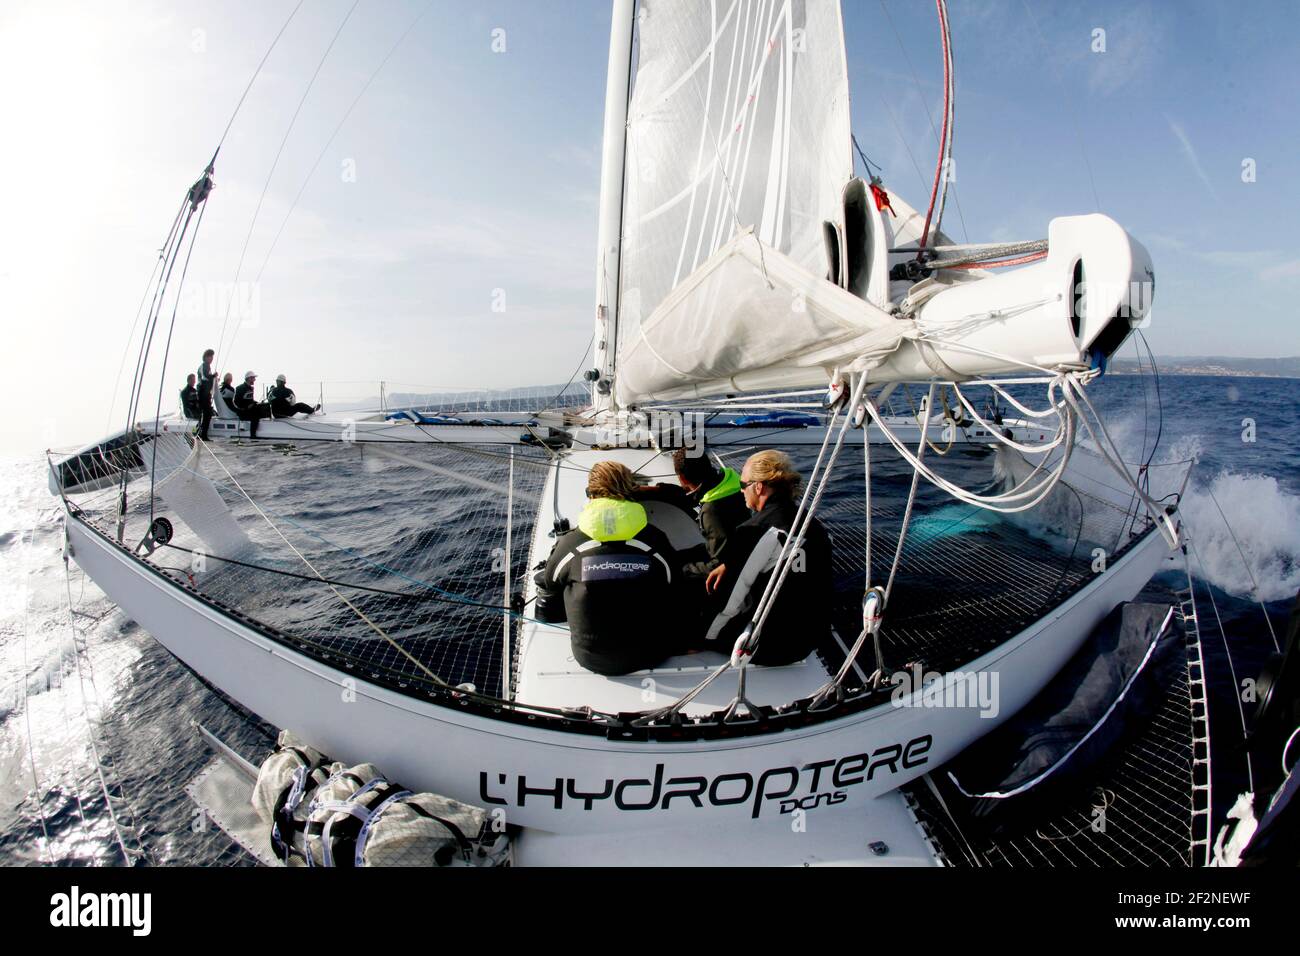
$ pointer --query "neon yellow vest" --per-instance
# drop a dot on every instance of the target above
(729, 485)
(607, 519)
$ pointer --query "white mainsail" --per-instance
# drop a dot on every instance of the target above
(739, 120)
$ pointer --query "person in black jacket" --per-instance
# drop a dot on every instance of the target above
(207, 380)
(612, 578)
(190, 398)
(719, 500)
(799, 618)
(247, 406)
(284, 403)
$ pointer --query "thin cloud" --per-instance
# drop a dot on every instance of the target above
(1190, 152)
(1283, 270)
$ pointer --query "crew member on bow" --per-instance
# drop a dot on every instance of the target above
(799, 618)
(207, 380)
(284, 403)
(612, 578)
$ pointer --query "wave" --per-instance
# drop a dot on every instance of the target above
(1265, 521)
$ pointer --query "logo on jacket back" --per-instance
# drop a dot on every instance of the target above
(615, 567)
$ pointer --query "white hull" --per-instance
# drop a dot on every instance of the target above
(845, 763)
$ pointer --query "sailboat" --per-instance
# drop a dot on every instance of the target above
(742, 268)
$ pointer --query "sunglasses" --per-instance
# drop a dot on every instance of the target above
(752, 481)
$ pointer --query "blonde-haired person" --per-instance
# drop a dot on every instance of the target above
(613, 579)
(799, 618)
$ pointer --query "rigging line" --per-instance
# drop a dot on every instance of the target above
(405, 595)
(951, 94)
(159, 290)
(581, 362)
(135, 323)
(27, 715)
(1056, 69)
(146, 342)
(916, 80)
(324, 149)
(361, 614)
(450, 597)
(271, 174)
(1160, 405)
(162, 381)
(90, 732)
(920, 176)
(1143, 476)
(777, 575)
(945, 138)
(911, 500)
(806, 511)
(1146, 410)
(866, 163)
(1246, 564)
(256, 72)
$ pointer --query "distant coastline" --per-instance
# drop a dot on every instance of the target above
(1214, 365)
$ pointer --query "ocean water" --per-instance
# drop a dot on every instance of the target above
(90, 704)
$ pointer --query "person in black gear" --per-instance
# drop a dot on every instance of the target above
(799, 618)
(228, 390)
(190, 398)
(718, 500)
(207, 380)
(284, 403)
(612, 578)
(246, 405)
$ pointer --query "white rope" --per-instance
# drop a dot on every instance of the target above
(808, 503)
(1287, 749)
(1110, 452)
(911, 500)
(1021, 497)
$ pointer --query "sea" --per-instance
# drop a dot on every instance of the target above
(97, 720)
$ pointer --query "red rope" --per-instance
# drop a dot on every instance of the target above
(943, 137)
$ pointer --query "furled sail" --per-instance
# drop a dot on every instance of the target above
(738, 124)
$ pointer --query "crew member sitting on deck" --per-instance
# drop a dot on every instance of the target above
(246, 405)
(719, 500)
(190, 398)
(284, 403)
(799, 618)
(612, 579)
(228, 390)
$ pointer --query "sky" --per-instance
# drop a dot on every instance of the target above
(445, 235)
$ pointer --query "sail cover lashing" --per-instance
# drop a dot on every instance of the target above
(738, 129)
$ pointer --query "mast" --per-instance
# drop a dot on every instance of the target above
(609, 230)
